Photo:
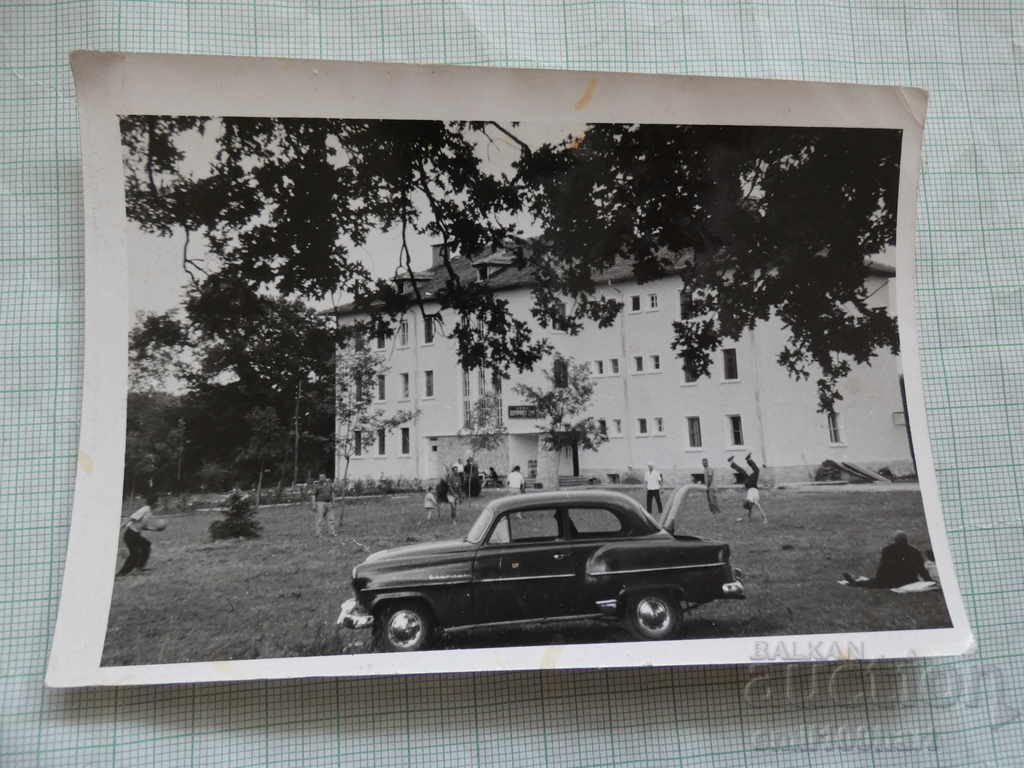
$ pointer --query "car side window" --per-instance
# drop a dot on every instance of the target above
(500, 534)
(528, 525)
(594, 522)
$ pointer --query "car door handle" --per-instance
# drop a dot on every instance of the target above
(560, 555)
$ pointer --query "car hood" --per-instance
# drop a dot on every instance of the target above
(429, 549)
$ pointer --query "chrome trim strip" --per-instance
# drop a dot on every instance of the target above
(660, 568)
(538, 620)
(388, 586)
(527, 578)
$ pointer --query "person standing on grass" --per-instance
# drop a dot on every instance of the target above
(515, 480)
(709, 487)
(323, 495)
(430, 504)
(138, 545)
(445, 495)
(749, 480)
(654, 481)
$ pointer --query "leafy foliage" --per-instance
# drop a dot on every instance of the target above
(485, 428)
(569, 388)
(755, 221)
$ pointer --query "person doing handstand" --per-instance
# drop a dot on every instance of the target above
(749, 480)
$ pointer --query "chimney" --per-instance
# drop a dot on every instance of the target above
(437, 254)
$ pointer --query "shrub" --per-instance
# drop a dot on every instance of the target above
(239, 519)
(632, 478)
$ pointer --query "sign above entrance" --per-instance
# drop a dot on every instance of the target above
(523, 412)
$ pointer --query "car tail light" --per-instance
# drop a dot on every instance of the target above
(723, 555)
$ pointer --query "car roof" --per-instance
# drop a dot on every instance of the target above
(563, 498)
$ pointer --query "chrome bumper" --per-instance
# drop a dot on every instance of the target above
(353, 617)
(734, 589)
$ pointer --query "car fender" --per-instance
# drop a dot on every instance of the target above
(409, 594)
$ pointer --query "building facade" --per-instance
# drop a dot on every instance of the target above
(651, 409)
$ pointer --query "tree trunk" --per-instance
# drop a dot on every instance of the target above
(295, 469)
(344, 491)
(259, 484)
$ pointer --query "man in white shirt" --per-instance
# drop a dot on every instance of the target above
(138, 545)
(653, 480)
(516, 482)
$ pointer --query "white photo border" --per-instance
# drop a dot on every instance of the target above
(113, 84)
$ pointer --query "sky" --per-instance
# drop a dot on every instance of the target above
(155, 263)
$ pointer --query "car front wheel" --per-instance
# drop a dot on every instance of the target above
(653, 616)
(404, 626)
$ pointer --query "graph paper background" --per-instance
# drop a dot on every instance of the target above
(971, 291)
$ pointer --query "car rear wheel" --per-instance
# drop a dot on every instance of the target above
(653, 616)
(404, 626)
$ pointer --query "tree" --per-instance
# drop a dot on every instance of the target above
(264, 441)
(485, 427)
(755, 221)
(561, 405)
(358, 421)
(239, 518)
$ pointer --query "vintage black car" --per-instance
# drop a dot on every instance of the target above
(539, 557)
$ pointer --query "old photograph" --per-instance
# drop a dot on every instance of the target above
(399, 385)
(403, 370)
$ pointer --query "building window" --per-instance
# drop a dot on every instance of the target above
(382, 389)
(381, 442)
(614, 362)
(428, 330)
(466, 386)
(357, 443)
(735, 430)
(634, 303)
(652, 301)
(693, 431)
(403, 333)
(599, 367)
(834, 435)
(659, 425)
(380, 338)
(655, 362)
(602, 426)
(481, 382)
(689, 373)
(428, 383)
(496, 389)
(641, 426)
(616, 426)
(638, 364)
(685, 304)
(730, 369)
(405, 386)
(560, 371)
(405, 441)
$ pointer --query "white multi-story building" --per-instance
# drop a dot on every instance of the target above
(652, 409)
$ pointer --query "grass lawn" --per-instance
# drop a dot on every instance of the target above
(279, 595)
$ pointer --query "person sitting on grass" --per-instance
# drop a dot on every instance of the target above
(138, 545)
(899, 564)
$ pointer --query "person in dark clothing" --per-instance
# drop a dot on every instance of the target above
(749, 480)
(899, 564)
(138, 545)
(445, 495)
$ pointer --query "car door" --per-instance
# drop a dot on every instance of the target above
(590, 528)
(524, 570)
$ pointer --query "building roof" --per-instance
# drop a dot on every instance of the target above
(503, 275)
